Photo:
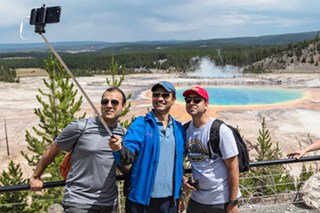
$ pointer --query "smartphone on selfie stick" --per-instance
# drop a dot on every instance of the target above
(42, 16)
(48, 15)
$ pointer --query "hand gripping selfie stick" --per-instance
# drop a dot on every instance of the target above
(40, 17)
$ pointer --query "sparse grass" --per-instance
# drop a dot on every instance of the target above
(29, 72)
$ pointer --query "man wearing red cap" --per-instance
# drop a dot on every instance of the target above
(217, 177)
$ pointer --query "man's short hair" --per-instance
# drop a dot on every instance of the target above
(112, 89)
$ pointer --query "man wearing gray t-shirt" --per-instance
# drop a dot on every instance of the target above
(217, 177)
(91, 181)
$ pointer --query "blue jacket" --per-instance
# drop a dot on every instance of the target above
(141, 146)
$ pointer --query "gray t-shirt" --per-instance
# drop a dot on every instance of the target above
(92, 176)
(211, 172)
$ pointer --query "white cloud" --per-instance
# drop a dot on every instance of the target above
(11, 13)
(130, 20)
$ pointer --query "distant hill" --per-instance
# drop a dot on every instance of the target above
(89, 46)
(304, 57)
(61, 46)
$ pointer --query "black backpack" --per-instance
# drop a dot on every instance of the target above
(214, 140)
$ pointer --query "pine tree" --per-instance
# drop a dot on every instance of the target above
(59, 106)
(114, 68)
(8, 74)
(114, 71)
(266, 151)
(266, 180)
(13, 201)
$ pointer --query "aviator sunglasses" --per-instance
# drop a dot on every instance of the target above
(196, 99)
(114, 102)
(164, 95)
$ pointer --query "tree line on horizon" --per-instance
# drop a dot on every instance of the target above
(171, 60)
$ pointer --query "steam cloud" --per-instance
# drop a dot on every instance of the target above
(208, 68)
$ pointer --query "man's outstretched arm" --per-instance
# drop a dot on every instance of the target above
(36, 183)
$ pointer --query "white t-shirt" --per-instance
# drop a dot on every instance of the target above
(211, 172)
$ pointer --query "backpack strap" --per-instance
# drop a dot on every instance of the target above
(186, 125)
(214, 139)
(82, 132)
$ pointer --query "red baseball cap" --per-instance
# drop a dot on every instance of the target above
(199, 90)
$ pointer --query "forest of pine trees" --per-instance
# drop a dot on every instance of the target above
(88, 64)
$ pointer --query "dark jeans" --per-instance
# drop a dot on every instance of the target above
(195, 207)
(83, 208)
(157, 205)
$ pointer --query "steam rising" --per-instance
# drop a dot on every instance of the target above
(208, 68)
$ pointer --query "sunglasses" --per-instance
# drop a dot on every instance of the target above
(195, 100)
(164, 95)
(114, 102)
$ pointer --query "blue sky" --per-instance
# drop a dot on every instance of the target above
(136, 20)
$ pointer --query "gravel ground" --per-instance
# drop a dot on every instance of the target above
(277, 208)
(283, 203)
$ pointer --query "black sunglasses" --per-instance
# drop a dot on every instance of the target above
(164, 95)
(196, 99)
(114, 102)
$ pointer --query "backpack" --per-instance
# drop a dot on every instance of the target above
(214, 141)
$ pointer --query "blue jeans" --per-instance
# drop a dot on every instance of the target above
(157, 205)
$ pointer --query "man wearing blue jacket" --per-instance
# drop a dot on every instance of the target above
(154, 145)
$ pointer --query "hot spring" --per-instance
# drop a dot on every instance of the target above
(247, 96)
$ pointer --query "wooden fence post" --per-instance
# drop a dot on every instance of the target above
(5, 130)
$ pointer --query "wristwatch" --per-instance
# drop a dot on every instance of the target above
(234, 202)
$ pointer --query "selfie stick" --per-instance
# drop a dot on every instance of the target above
(77, 83)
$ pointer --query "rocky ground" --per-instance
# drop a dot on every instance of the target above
(277, 208)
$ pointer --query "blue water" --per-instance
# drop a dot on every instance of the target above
(247, 96)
